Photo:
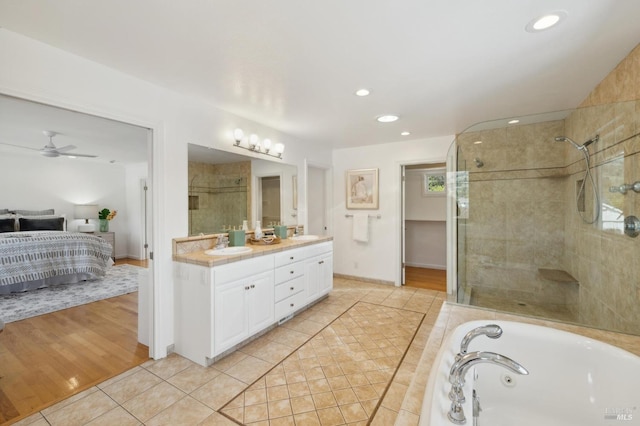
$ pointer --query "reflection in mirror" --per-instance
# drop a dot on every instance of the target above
(226, 189)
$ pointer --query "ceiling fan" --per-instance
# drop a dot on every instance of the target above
(50, 150)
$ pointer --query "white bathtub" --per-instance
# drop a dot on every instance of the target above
(573, 380)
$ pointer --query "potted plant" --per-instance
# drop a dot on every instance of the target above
(105, 215)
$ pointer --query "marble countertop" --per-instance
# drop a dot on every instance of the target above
(198, 257)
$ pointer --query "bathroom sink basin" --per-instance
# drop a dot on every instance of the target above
(227, 251)
(305, 237)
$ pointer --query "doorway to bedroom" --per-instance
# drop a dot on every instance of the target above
(69, 342)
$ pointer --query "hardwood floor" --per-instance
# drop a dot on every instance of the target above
(432, 279)
(50, 357)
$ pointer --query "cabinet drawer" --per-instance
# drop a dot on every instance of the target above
(238, 270)
(290, 256)
(321, 248)
(289, 305)
(286, 273)
(289, 288)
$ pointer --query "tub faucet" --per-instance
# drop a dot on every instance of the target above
(459, 370)
(493, 331)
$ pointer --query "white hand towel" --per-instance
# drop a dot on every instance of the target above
(361, 227)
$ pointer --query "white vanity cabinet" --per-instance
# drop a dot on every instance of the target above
(241, 309)
(218, 307)
(318, 272)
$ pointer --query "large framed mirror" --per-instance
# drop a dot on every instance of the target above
(226, 189)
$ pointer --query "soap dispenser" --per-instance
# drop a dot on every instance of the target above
(257, 232)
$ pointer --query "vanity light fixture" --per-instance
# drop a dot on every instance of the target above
(390, 118)
(266, 147)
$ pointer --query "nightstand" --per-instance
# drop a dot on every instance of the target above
(109, 237)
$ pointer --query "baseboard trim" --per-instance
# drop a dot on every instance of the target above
(363, 279)
(426, 265)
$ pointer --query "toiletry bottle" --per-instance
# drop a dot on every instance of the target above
(245, 225)
(257, 232)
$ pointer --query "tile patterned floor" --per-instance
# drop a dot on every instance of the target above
(337, 377)
(176, 391)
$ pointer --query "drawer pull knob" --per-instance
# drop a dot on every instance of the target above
(321, 262)
(253, 286)
(291, 272)
(291, 258)
(246, 288)
(291, 305)
(292, 288)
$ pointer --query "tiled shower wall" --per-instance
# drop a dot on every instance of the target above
(516, 205)
(522, 207)
(605, 260)
(220, 195)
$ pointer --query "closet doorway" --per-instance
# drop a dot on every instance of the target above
(424, 239)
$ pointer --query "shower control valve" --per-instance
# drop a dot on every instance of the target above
(632, 226)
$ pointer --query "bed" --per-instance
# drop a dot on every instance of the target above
(36, 252)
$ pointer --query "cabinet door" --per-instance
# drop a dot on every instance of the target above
(311, 282)
(325, 279)
(231, 322)
(261, 301)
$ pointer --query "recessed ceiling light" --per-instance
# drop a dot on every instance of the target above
(405, 133)
(513, 121)
(362, 92)
(387, 118)
(545, 22)
(477, 142)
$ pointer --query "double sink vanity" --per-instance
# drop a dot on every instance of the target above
(225, 297)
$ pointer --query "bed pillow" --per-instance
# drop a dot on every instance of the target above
(34, 212)
(7, 225)
(52, 224)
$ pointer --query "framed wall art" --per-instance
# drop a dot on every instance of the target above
(362, 189)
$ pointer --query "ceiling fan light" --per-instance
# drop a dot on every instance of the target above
(49, 154)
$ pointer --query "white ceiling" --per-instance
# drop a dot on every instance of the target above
(22, 123)
(442, 65)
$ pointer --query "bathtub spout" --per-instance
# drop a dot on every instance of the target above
(459, 370)
(493, 331)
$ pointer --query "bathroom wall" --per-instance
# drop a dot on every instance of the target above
(602, 258)
(379, 259)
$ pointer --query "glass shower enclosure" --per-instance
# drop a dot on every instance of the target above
(539, 214)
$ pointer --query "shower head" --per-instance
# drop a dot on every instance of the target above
(479, 162)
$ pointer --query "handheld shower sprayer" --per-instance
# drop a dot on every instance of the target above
(575, 145)
(587, 174)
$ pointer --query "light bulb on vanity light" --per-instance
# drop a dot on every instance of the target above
(279, 149)
(238, 134)
(253, 141)
(266, 144)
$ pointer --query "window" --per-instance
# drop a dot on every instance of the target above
(434, 182)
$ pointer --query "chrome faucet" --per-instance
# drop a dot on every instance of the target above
(222, 242)
(459, 370)
(493, 331)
